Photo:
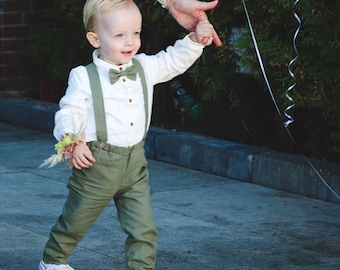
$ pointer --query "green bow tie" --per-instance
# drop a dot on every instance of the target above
(130, 72)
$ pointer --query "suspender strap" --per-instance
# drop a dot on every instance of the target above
(145, 92)
(98, 102)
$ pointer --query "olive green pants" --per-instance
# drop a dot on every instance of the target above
(121, 174)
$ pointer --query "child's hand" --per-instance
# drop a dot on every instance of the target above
(204, 33)
(82, 156)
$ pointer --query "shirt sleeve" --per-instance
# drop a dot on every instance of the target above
(173, 61)
(73, 105)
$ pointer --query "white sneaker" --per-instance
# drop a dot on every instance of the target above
(47, 266)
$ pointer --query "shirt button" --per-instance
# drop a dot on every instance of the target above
(123, 79)
(102, 145)
(131, 124)
(120, 69)
(130, 100)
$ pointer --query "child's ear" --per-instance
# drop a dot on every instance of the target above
(93, 39)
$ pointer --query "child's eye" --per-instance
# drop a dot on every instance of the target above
(136, 33)
(119, 35)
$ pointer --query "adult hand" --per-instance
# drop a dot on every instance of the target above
(189, 12)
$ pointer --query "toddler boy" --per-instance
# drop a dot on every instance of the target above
(112, 111)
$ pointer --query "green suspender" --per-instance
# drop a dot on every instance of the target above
(98, 101)
(140, 71)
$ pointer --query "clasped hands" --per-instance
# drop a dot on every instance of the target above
(188, 13)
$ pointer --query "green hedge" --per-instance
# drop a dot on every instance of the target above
(62, 45)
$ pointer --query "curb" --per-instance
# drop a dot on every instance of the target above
(256, 165)
(28, 113)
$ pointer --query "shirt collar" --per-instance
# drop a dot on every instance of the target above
(107, 66)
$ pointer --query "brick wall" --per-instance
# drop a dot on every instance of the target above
(18, 20)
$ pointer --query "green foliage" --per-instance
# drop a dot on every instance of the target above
(316, 94)
(62, 45)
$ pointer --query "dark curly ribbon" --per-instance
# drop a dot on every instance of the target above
(290, 88)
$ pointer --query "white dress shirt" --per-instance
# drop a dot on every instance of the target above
(124, 100)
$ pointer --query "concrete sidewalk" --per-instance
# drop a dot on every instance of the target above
(262, 166)
(204, 221)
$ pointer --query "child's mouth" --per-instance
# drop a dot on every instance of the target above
(127, 53)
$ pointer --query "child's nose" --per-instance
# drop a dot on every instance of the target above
(129, 39)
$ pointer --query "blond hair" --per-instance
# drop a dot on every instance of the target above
(94, 8)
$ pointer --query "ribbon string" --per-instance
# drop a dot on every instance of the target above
(260, 59)
(290, 88)
(291, 73)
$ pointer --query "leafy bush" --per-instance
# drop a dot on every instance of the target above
(316, 94)
(60, 43)
(218, 73)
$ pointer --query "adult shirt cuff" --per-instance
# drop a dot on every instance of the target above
(163, 3)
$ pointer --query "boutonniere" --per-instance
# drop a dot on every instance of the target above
(64, 149)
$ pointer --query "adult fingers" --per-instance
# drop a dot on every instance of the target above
(206, 5)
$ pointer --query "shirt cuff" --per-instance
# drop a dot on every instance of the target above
(168, 4)
(162, 2)
(190, 41)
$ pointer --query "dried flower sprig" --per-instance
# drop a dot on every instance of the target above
(64, 149)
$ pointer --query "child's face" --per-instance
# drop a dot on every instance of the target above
(118, 35)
